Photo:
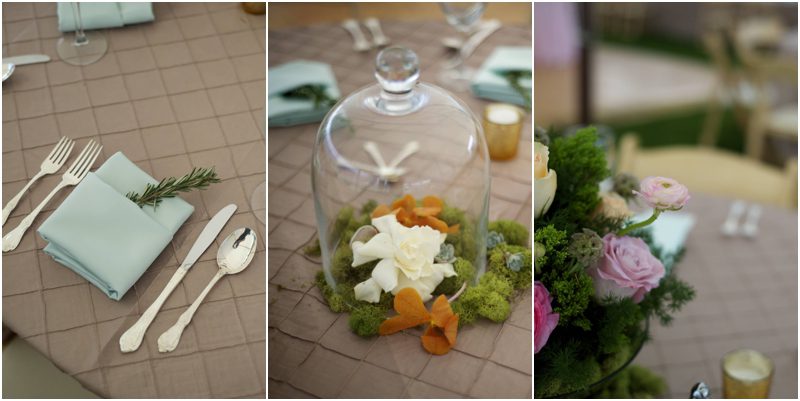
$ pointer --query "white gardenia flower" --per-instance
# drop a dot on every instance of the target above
(406, 260)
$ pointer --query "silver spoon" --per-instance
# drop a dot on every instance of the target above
(8, 69)
(235, 253)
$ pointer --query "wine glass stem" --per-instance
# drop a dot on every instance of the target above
(80, 36)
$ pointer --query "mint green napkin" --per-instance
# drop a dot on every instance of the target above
(103, 236)
(104, 15)
(284, 112)
(489, 82)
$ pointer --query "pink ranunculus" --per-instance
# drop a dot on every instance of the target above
(663, 193)
(627, 269)
(544, 318)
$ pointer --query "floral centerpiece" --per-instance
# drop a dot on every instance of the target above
(598, 278)
(401, 255)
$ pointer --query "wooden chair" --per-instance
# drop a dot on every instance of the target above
(712, 171)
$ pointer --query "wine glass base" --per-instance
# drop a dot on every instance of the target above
(92, 50)
(457, 79)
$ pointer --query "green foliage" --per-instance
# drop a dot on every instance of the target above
(366, 319)
(580, 166)
(498, 263)
(464, 240)
(514, 233)
(465, 273)
(634, 382)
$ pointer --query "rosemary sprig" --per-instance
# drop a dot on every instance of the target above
(198, 178)
(514, 77)
(315, 93)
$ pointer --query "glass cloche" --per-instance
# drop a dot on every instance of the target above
(400, 176)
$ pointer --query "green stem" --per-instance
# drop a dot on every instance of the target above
(640, 224)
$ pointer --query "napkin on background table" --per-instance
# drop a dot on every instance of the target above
(106, 238)
(670, 229)
(104, 15)
(489, 82)
(284, 112)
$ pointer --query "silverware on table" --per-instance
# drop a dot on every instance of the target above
(79, 168)
(360, 42)
(730, 227)
(233, 256)
(488, 28)
(8, 69)
(374, 27)
(750, 227)
(50, 165)
(132, 338)
(26, 59)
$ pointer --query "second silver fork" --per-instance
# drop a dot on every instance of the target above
(79, 168)
(50, 165)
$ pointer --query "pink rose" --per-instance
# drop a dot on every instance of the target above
(627, 269)
(544, 318)
(663, 193)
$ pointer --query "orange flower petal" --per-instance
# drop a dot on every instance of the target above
(407, 202)
(408, 303)
(435, 342)
(406, 218)
(380, 211)
(453, 229)
(436, 224)
(432, 201)
(397, 323)
(441, 311)
(427, 211)
(451, 330)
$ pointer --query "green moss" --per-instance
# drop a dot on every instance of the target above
(514, 233)
(494, 282)
(464, 240)
(494, 307)
(634, 382)
(467, 314)
(488, 299)
(335, 300)
(465, 272)
(498, 264)
(365, 320)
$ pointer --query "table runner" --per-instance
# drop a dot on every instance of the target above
(186, 90)
(312, 352)
(746, 297)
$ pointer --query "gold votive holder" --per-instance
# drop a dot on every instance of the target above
(502, 125)
(746, 374)
(255, 8)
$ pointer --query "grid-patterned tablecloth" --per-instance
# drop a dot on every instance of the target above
(186, 90)
(312, 352)
(746, 298)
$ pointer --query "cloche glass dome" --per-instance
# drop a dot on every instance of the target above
(404, 148)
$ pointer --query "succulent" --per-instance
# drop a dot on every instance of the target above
(514, 261)
(494, 239)
(447, 254)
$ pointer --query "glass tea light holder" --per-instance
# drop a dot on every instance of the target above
(746, 374)
(502, 125)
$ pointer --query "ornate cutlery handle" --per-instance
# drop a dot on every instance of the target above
(12, 239)
(12, 204)
(131, 339)
(169, 340)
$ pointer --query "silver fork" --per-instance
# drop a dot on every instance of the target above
(79, 168)
(50, 165)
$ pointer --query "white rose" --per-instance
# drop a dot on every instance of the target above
(544, 180)
(406, 260)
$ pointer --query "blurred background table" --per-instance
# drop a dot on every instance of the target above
(185, 90)
(313, 353)
(746, 298)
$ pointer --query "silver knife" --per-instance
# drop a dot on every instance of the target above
(132, 338)
(27, 59)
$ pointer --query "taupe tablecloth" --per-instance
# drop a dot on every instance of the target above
(186, 90)
(746, 298)
(312, 352)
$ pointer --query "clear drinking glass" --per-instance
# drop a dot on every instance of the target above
(465, 18)
(79, 47)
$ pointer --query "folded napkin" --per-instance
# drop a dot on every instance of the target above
(490, 83)
(103, 236)
(670, 229)
(284, 111)
(104, 15)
